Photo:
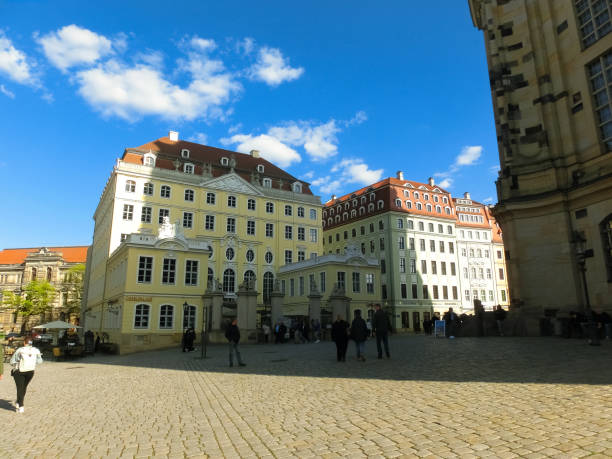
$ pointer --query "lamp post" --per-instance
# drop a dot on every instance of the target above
(582, 253)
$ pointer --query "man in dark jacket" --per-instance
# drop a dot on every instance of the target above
(359, 332)
(339, 335)
(450, 318)
(232, 333)
(382, 327)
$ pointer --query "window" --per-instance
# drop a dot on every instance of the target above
(301, 255)
(300, 212)
(411, 243)
(381, 225)
(248, 276)
(422, 244)
(288, 232)
(267, 183)
(169, 271)
(593, 20)
(432, 245)
(145, 269)
(165, 191)
(341, 280)
(401, 243)
(251, 204)
(383, 266)
(398, 203)
(292, 287)
(346, 235)
(231, 225)
(434, 267)
(428, 207)
(445, 292)
(149, 161)
(189, 316)
(130, 186)
(148, 189)
(250, 228)
(490, 295)
(443, 267)
(189, 195)
(410, 224)
(188, 168)
(187, 219)
(403, 291)
(425, 292)
(184, 153)
(471, 252)
(268, 286)
(297, 187)
(402, 265)
(455, 293)
(301, 235)
(356, 283)
(499, 254)
(400, 223)
(211, 198)
(229, 281)
(288, 257)
(435, 292)
(412, 266)
(145, 216)
(191, 272)
(322, 282)
(369, 278)
(382, 243)
(141, 316)
(423, 267)
(288, 211)
(488, 273)
(383, 291)
(269, 207)
(313, 235)
(441, 246)
(430, 227)
(473, 273)
(166, 314)
(501, 273)
(371, 227)
(269, 229)
(313, 214)
(268, 257)
(451, 247)
(600, 74)
(128, 211)
(229, 253)
(463, 252)
(503, 295)
(162, 214)
(224, 161)
(453, 269)
(209, 222)
(421, 226)
(231, 201)
(479, 253)
(372, 246)
(250, 255)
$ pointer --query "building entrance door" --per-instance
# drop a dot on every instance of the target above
(405, 320)
(416, 321)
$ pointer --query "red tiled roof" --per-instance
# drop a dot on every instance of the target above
(201, 154)
(76, 254)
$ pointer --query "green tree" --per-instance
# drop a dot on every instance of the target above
(73, 289)
(36, 299)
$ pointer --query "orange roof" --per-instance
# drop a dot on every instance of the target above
(199, 155)
(75, 254)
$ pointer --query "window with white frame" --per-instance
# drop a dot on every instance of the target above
(189, 195)
(288, 256)
(148, 189)
(231, 225)
(145, 269)
(165, 191)
(229, 253)
(141, 316)
(211, 198)
(231, 201)
(269, 229)
(288, 232)
(402, 265)
(229, 281)
(209, 222)
(269, 207)
(268, 257)
(250, 228)
(300, 212)
(191, 272)
(188, 168)
(189, 316)
(130, 186)
(401, 242)
(187, 219)
(128, 211)
(301, 255)
(288, 211)
(149, 160)
(162, 214)
(184, 153)
(224, 161)
(313, 235)
(301, 234)
(313, 214)
(250, 256)
(166, 316)
(297, 187)
(145, 216)
(250, 204)
(260, 168)
(267, 182)
(169, 271)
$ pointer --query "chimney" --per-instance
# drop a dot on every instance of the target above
(400, 175)
(466, 195)
(333, 197)
(255, 153)
(173, 135)
(431, 182)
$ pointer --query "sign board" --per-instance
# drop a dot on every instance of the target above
(440, 329)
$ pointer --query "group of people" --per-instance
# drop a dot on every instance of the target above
(342, 332)
(188, 339)
(302, 331)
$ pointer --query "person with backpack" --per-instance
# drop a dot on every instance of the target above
(232, 333)
(359, 333)
(24, 362)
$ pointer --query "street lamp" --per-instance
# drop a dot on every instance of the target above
(582, 253)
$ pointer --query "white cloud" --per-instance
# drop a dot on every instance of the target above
(269, 147)
(6, 92)
(488, 200)
(246, 46)
(130, 92)
(272, 68)
(327, 185)
(308, 175)
(199, 137)
(359, 118)
(14, 63)
(150, 58)
(319, 141)
(73, 45)
(469, 155)
(235, 128)
(357, 171)
(446, 183)
(203, 44)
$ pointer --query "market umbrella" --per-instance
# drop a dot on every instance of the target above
(57, 325)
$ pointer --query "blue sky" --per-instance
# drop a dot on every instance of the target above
(338, 93)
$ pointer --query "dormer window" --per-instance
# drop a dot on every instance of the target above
(260, 168)
(225, 161)
(267, 183)
(149, 160)
(188, 168)
(297, 187)
(184, 153)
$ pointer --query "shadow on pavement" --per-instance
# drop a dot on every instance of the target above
(413, 358)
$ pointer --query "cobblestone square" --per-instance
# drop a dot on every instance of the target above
(469, 397)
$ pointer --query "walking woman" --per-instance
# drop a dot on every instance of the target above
(24, 362)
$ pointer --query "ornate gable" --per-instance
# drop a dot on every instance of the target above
(231, 182)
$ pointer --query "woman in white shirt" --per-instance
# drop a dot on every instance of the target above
(24, 362)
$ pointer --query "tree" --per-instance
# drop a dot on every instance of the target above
(36, 299)
(73, 289)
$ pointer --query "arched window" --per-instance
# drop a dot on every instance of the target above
(268, 285)
(345, 216)
(428, 206)
(398, 203)
(141, 316)
(249, 275)
(381, 204)
(362, 210)
(370, 207)
(419, 206)
(189, 316)
(447, 210)
(439, 209)
(49, 274)
(330, 221)
(166, 316)
(408, 204)
(229, 281)
(353, 213)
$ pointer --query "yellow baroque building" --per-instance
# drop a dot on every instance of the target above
(169, 201)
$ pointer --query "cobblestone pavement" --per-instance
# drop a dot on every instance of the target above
(469, 397)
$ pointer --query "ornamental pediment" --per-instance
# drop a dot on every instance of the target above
(231, 182)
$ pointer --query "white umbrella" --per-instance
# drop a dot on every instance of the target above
(57, 325)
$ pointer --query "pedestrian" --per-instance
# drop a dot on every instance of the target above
(500, 316)
(306, 330)
(188, 339)
(381, 326)
(316, 330)
(97, 344)
(339, 333)
(359, 333)
(232, 333)
(282, 330)
(450, 318)
(266, 331)
(24, 362)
